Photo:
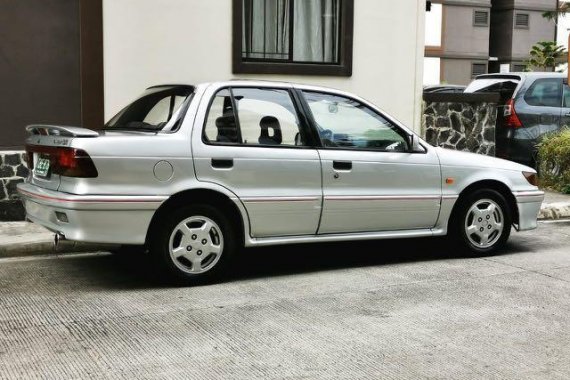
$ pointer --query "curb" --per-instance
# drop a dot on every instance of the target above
(554, 211)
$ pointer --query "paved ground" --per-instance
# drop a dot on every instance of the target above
(385, 309)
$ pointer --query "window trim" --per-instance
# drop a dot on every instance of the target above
(304, 127)
(527, 26)
(515, 66)
(475, 24)
(475, 75)
(344, 68)
(313, 124)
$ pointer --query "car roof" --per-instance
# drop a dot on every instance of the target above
(520, 75)
(251, 82)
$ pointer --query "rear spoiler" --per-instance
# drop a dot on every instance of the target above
(58, 130)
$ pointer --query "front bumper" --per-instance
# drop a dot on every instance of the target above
(528, 205)
(95, 219)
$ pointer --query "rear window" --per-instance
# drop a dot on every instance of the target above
(153, 110)
(493, 85)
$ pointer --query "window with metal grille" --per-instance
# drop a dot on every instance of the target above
(522, 20)
(517, 68)
(478, 69)
(481, 18)
(293, 36)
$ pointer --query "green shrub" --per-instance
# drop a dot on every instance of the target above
(554, 159)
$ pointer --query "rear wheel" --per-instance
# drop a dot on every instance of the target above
(194, 244)
(482, 223)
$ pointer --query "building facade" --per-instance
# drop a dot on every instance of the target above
(78, 62)
(464, 43)
(516, 25)
(480, 36)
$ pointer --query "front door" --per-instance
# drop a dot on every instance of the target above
(254, 144)
(371, 181)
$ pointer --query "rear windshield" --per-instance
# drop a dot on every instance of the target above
(153, 110)
(492, 85)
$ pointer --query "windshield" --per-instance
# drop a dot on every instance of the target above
(153, 110)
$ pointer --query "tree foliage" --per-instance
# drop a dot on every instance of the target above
(554, 161)
(545, 55)
(561, 11)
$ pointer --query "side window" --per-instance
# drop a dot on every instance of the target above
(545, 93)
(267, 117)
(566, 97)
(346, 123)
(221, 123)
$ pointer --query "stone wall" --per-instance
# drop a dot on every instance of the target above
(13, 170)
(461, 121)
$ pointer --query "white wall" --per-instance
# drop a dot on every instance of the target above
(433, 26)
(432, 71)
(149, 42)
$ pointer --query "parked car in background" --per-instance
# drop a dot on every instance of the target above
(444, 89)
(195, 173)
(532, 105)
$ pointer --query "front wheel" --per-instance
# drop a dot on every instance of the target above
(482, 223)
(194, 244)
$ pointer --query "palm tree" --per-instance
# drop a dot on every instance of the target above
(545, 55)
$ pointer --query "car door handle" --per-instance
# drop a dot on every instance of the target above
(342, 165)
(222, 163)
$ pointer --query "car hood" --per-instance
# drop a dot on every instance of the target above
(449, 157)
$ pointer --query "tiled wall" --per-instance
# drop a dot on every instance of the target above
(13, 170)
(461, 126)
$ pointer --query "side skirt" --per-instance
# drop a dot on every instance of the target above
(258, 242)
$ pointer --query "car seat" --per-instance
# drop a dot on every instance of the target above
(266, 123)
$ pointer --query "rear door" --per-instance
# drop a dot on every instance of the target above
(252, 141)
(539, 107)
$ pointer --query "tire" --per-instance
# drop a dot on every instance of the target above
(193, 245)
(482, 222)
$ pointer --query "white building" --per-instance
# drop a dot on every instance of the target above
(147, 42)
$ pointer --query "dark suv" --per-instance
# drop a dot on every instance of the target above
(532, 104)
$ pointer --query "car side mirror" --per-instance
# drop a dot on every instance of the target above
(415, 146)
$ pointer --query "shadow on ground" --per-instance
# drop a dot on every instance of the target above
(135, 270)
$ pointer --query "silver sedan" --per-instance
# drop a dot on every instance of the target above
(193, 173)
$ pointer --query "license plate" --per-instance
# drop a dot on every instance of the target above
(42, 167)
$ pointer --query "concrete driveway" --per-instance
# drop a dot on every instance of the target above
(384, 309)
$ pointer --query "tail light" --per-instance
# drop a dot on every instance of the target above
(511, 118)
(64, 161)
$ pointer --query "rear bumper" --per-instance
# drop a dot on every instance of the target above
(521, 151)
(528, 204)
(95, 219)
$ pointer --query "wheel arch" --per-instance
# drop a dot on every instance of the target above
(491, 184)
(212, 197)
